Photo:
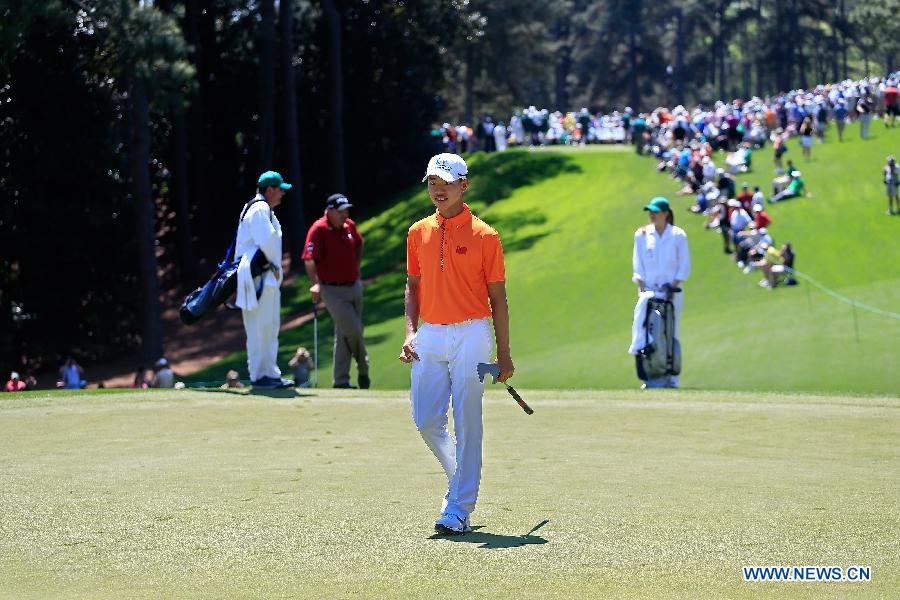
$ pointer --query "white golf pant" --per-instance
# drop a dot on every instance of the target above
(447, 367)
(261, 325)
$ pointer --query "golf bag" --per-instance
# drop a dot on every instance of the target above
(223, 283)
(661, 354)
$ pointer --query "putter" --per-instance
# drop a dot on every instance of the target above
(494, 370)
(316, 343)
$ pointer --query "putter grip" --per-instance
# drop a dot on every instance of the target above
(512, 392)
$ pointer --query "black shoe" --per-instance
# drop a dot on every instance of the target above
(270, 383)
(364, 382)
(343, 386)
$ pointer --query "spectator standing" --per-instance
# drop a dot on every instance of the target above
(891, 103)
(840, 117)
(806, 131)
(333, 252)
(890, 183)
(864, 108)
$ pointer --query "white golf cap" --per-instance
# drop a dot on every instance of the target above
(448, 167)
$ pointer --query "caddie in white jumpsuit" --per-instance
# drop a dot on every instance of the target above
(661, 257)
(259, 229)
(456, 285)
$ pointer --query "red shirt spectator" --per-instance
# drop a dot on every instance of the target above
(14, 384)
(762, 219)
(336, 251)
(746, 199)
(890, 95)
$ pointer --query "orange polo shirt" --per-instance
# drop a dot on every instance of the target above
(455, 260)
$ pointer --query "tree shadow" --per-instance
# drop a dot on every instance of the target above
(494, 541)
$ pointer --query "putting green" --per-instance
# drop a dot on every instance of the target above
(332, 494)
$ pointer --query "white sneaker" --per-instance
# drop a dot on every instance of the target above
(747, 269)
(740, 264)
(450, 524)
(764, 283)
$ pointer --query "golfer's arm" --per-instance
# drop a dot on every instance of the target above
(500, 313)
(311, 272)
(411, 304)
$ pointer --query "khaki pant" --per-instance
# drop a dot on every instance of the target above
(345, 304)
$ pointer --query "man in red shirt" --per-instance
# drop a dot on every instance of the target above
(331, 257)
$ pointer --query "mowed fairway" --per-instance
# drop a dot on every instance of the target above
(333, 494)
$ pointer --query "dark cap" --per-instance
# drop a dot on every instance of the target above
(338, 202)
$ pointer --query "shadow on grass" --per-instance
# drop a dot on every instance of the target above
(494, 541)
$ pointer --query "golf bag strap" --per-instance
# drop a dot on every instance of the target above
(670, 341)
(229, 254)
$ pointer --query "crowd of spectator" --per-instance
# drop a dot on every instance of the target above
(805, 113)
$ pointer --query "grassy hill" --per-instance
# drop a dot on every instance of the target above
(567, 218)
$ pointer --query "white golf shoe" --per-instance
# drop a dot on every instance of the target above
(450, 524)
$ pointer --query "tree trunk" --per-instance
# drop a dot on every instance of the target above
(634, 36)
(187, 261)
(563, 64)
(679, 55)
(469, 109)
(843, 10)
(145, 221)
(296, 221)
(196, 126)
(266, 84)
(723, 43)
(333, 18)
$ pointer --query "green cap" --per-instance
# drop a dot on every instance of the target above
(658, 204)
(272, 179)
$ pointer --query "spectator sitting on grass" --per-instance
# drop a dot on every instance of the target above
(739, 220)
(794, 189)
(165, 376)
(760, 217)
(143, 378)
(781, 182)
(14, 384)
(71, 375)
(301, 365)
(232, 380)
(775, 264)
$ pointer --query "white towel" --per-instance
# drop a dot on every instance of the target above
(246, 289)
(638, 332)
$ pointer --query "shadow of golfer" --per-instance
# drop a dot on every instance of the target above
(495, 540)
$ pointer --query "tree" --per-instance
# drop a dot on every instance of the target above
(266, 84)
(335, 61)
(296, 220)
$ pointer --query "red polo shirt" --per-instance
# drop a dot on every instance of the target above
(336, 251)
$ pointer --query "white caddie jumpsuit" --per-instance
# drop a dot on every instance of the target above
(661, 259)
(260, 229)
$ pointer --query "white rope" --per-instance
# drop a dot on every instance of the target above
(845, 299)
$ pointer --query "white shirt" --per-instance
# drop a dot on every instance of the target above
(660, 259)
(739, 219)
(260, 229)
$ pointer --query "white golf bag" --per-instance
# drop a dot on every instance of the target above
(661, 354)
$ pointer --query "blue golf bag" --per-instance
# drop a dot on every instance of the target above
(661, 354)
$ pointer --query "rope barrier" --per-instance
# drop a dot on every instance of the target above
(844, 299)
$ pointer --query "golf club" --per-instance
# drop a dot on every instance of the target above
(494, 370)
(316, 344)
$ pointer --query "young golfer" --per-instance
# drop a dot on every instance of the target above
(455, 285)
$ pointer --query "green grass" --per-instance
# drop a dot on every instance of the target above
(567, 220)
(331, 495)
